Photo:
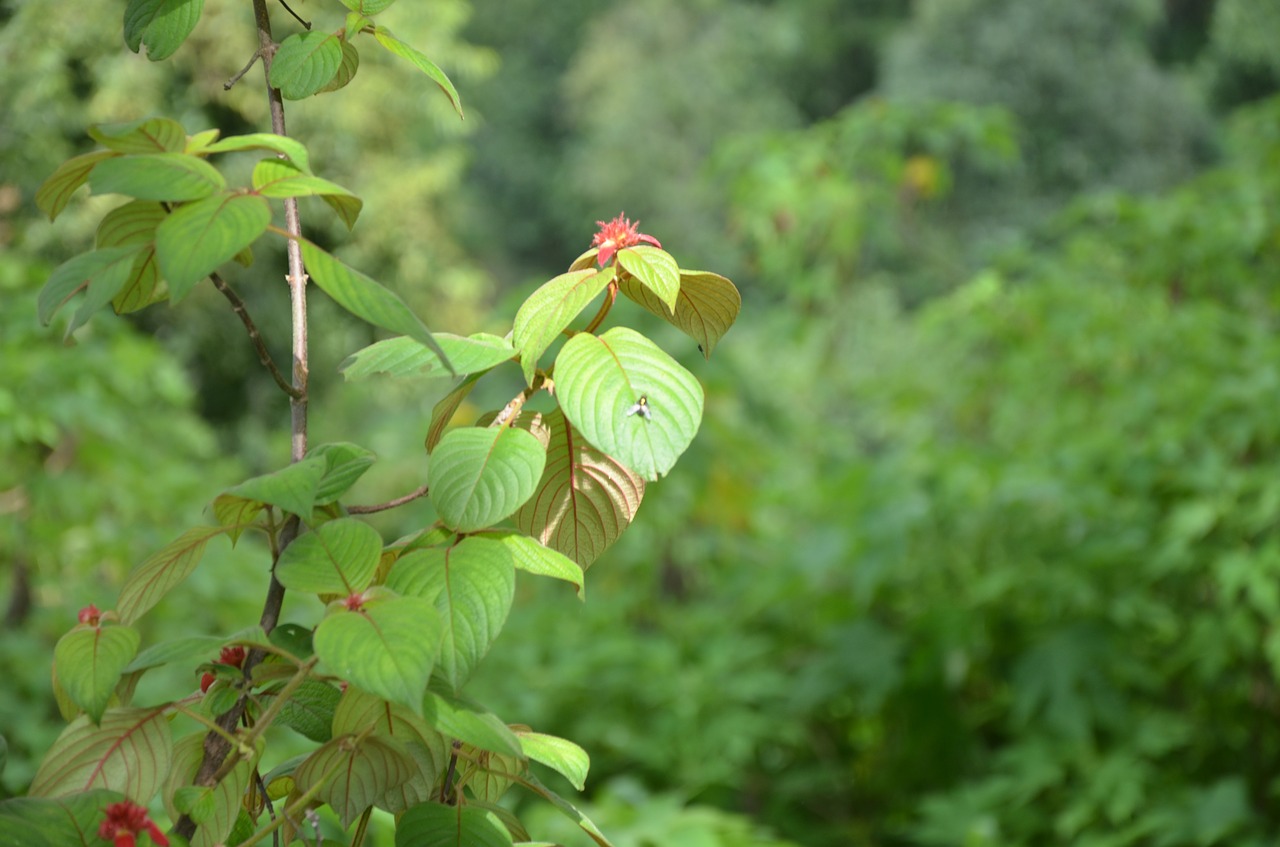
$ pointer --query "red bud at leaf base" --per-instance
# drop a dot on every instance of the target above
(125, 820)
(89, 615)
(616, 235)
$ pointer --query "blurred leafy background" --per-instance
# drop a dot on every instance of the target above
(978, 544)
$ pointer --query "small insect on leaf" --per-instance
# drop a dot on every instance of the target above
(641, 407)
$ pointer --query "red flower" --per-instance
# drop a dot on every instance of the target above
(90, 615)
(124, 821)
(233, 656)
(617, 234)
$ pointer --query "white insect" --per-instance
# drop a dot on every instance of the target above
(641, 407)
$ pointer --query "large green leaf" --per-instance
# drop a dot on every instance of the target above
(149, 135)
(387, 646)
(199, 236)
(54, 194)
(131, 224)
(129, 752)
(559, 754)
(550, 309)
(656, 270)
(364, 297)
(305, 62)
(532, 557)
(143, 286)
(70, 821)
(359, 711)
(354, 773)
(478, 476)
(171, 177)
(339, 557)
(464, 721)
(282, 178)
(157, 576)
(162, 25)
(293, 488)
(599, 379)
(309, 710)
(287, 147)
(344, 464)
(436, 825)
(584, 500)
(406, 357)
(103, 272)
(89, 661)
(215, 808)
(421, 62)
(706, 307)
(472, 586)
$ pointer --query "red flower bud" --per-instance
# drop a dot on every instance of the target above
(90, 615)
(616, 235)
(125, 820)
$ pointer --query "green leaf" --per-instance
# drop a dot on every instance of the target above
(550, 309)
(215, 809)
(171, 177)
(359, 711)
(157, 576)
(347, 69)
(304, 63)
(200, 141)
(129, 752)
(354, 23)
(585, 499)
(467, 722)
(406, 357)
(134, 224)
(344, 464)
(656, 269)
(282, 178)
(436, 825)
(58, 822)
(310, 710)
(199, 236)
(54, 194)
(363, 297)
(105, 287)
(347, 208)
(102, 271)
(150, 135)
(354, 773)
(478, 476)
(387, 647)
(566, 808)
(294, 638)
(706, 307)
(90, 660)
(293, 488)
(472, 586)
(367, 7)
(531, 557)
(421, 62)
(442, 412)
(236, 513)
(162, 25)
(561, 755)
(129, 225)
(287, 147)
(600, 378)
(339, 557)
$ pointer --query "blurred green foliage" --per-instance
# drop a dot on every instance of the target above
(980, 544)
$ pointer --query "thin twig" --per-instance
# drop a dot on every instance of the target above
(305, 24)
(226, 86)
(390, 504)
(604, 307)
(255, 337)
(447, 787)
